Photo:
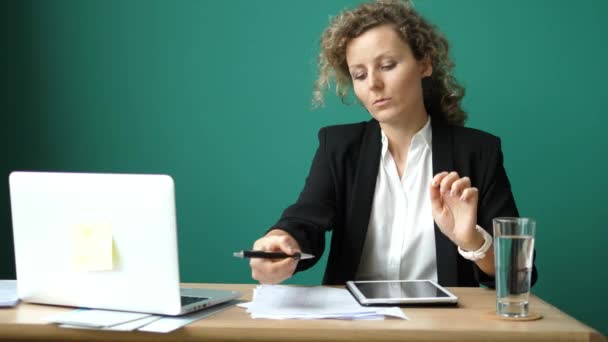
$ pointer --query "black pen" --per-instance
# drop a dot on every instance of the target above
(271, 255)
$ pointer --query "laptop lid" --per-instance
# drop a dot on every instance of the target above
(104, 241)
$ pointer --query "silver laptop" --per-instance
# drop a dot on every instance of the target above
(105, 241)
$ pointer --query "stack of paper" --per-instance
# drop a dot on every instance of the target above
(8, 293)
(290, 302)
(129, 321)
(101, 319)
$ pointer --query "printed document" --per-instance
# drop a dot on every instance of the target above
(292, 302)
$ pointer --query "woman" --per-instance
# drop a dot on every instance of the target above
(409, 194)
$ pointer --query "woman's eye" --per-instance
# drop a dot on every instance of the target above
(387, 66)
(359, 76)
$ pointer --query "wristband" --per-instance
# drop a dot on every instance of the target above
(481, 252)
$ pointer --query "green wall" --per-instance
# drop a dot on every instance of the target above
(217, 94)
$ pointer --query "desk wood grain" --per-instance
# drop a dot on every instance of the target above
(466, 322)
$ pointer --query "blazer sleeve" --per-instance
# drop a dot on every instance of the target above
(313, 213)
(495, 200)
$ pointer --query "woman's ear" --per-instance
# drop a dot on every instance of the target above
(426, 67)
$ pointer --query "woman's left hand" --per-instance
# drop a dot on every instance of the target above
(454, 206)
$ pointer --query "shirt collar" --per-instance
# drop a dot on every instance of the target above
(425, 135)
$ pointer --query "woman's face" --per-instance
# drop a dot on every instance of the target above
(385, 75)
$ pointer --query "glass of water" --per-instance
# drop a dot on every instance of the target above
(513, 251)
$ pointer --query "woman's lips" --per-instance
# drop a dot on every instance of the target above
(382, 101)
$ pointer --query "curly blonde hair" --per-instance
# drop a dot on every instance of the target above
(442, 93)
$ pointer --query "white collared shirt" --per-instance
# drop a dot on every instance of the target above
(400, 241)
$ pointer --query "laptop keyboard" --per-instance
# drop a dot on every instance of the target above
(189, 300)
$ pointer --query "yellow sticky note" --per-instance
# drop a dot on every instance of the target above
(92, 247)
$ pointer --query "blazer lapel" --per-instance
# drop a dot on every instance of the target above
(443, 160)
(361, 200)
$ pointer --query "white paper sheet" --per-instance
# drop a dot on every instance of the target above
(130, 321)
(129, 326)
(8, 293)
(168, 324)
(95, 318)
(291, 302)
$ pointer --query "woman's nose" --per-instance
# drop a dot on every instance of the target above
(375, 81)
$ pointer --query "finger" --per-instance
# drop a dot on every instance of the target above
(260, 270)
(446, 182)
(470, 195)
(259, 245)
(436, 201)
(435, 195)
(276, 243)
(257, 268)
(272, 271)
(283, 241)
(288, 244)
(284, 267)
(438, 178)
(264, 244)
(459, 185)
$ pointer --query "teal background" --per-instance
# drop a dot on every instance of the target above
(217, 94)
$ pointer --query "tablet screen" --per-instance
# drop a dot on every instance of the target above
(418, 289)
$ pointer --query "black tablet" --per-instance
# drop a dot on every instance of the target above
(400, 292)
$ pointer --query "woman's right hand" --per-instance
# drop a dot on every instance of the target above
(274, 271)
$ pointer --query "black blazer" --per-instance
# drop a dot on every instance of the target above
(339, 191)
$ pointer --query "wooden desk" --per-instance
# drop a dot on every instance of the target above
(464, 323)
